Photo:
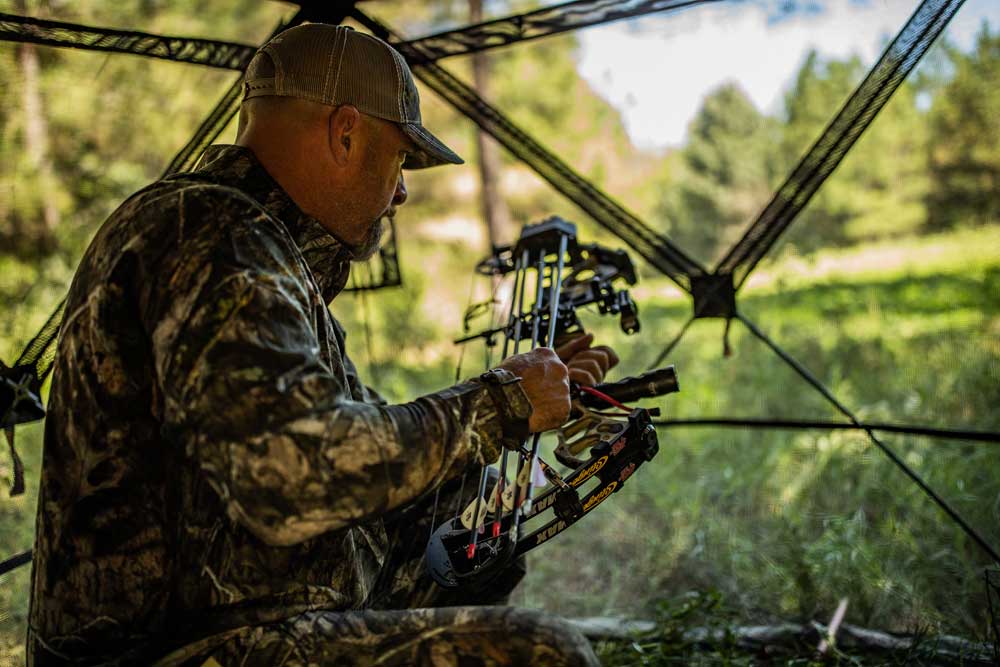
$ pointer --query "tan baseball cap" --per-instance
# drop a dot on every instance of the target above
(334, 65)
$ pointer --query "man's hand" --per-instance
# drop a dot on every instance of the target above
(545, 380)
(587, 365)
(545, 376)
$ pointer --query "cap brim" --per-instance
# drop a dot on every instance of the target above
(431, 150)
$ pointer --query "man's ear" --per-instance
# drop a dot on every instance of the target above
(344, 133)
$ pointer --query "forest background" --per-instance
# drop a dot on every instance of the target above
(887, 288)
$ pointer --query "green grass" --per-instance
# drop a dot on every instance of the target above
(783, 524)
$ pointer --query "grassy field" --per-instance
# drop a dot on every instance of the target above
(777, 525)
(783, 524)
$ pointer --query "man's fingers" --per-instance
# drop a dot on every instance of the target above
(612, 355)
(582, 377)
(588, 365)
(564, 338)
(603, 355)
(567, 350)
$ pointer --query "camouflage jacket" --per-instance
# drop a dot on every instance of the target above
(210, 454)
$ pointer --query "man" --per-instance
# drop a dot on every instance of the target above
(217, 482)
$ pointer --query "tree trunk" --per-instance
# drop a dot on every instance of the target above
(494, 208)
(36, 133)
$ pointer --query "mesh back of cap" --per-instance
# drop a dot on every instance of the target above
(370, 78)
(334, 65)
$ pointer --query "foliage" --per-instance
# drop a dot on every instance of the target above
(965, 169)
(106, 140)
(915, 168)
(728, 167)
(880, 187)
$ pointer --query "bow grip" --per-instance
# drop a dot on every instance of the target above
(652, 383)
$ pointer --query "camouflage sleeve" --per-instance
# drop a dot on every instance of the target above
(237, 335)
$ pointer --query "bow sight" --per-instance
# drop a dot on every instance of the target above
(475, 546)
(593, 272)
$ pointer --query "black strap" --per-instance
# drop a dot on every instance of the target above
(812, 424)
(15, 561)
(897, 61)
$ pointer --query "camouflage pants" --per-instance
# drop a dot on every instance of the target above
(450, 636)
(413, 621)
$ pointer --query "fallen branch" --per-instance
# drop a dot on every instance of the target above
(831, 632)
(794, 636)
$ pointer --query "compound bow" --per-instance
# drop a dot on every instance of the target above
(474, 546)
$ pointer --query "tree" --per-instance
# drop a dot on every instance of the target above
(880, 187)
(964, 150)
(34, 210)
(725, 172)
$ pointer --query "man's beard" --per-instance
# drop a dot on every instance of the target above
(370, 244)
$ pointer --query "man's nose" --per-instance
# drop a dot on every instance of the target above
(399, 197)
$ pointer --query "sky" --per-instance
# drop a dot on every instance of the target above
(657, 69)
